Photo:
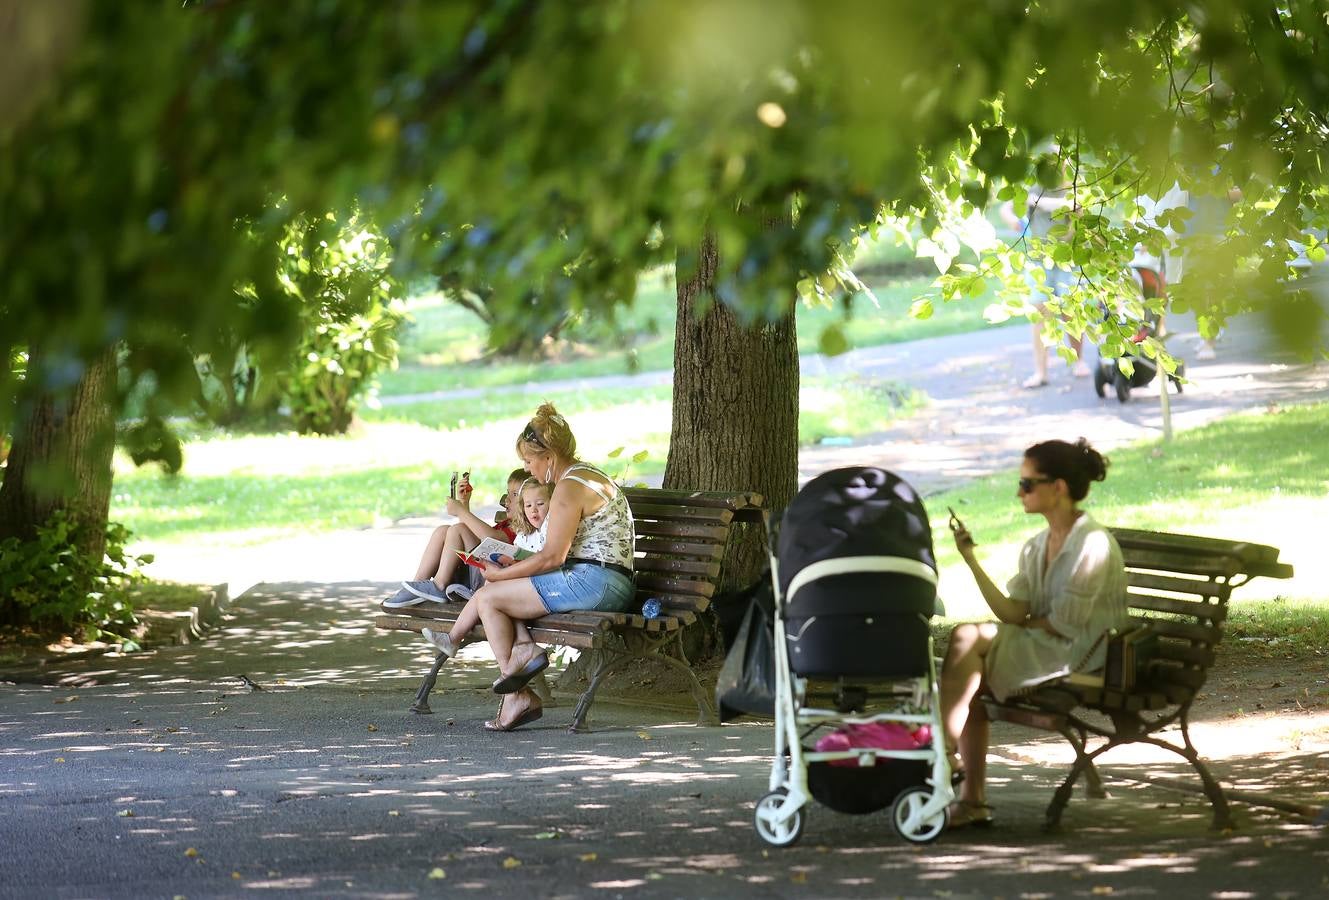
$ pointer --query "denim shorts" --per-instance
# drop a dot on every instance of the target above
(583, 586)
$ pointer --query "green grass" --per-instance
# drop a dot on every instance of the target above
(443, 346)
(240, 490)
(1259, 477)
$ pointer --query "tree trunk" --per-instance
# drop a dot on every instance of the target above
(735, 421)
(61, 459)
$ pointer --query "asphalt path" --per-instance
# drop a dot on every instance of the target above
(165, 774)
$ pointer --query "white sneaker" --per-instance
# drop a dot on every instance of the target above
(441, 641)
(458, 593)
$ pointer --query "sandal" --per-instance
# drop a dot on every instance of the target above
(510, 684)
(966, 814)
(532, 712)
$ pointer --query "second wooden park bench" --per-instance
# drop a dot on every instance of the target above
(1178, 599)
(681, 537)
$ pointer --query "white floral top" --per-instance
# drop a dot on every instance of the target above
(606, 535)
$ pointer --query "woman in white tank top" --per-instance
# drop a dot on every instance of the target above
(586, 563)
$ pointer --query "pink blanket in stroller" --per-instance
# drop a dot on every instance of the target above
(873, 736)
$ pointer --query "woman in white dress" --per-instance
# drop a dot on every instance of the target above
(1070, 589)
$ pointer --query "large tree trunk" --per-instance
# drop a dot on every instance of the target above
(61, 459)
(735, 419)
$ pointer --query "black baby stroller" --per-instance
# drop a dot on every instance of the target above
(855, 585)
(1152, 285)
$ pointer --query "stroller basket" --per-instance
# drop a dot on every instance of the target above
(863, 789)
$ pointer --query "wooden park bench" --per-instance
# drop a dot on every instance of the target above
(681, 539)
(1178, 599)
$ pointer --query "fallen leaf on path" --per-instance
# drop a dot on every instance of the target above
(69, 699)
(191, 852)
(373, 728)
(59, 759)
(156, 749)
(546, 835)
(589, 857)
(798, 877)
(237, 876)
(437, 873)
(511, 862)
(126, 813)
(1101, 889)
(393, 812)
(643, 735)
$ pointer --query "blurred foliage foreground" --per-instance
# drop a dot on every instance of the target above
(160, 161)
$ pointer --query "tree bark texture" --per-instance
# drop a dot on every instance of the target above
(735, 411)
(61, 457)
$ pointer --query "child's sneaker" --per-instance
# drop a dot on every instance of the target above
(458, 593)
(441, 641)
(425, 590)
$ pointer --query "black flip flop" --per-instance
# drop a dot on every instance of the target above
(525, 718)
(510, 684)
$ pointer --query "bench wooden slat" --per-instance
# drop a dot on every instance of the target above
(576, 640)
(648, 583)
(736, 500)
(711, 515)
(562, 622)
(1184, 564)
(665, 546)
(1196, 609)
(693, 531)
(1187, 631)
(679, 603)
(667, 566)
(1250, 555)
(1196, 587)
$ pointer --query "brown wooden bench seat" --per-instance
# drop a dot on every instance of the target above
(681, 538)
(1178, 599)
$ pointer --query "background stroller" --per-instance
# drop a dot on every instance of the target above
(1152, 285)
(855, 585)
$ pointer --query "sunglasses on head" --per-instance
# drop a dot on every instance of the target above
(529, 436)
(1027, 484)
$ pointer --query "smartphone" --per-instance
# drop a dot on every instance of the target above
(956, 525)
(452, 486)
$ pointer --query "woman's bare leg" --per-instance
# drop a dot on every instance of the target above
(961, 680)
(502, 605)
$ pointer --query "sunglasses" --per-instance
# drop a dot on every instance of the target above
(529, 436)
(1027, 484)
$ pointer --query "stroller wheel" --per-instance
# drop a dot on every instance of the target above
(774, 833)
(1123, 385)
(1100, 381)
(907, 806)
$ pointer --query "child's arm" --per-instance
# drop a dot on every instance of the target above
(478, 526)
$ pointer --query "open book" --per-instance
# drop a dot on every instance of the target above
(487, 550)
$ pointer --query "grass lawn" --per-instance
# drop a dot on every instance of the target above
(241, 490)
(443, 347)
(1261, 477)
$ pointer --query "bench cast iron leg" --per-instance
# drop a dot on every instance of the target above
(421, 704)
(606, 659)
(1084, 764)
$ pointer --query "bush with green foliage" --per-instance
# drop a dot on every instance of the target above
(49, 582)
(348, 316)
(334, 272)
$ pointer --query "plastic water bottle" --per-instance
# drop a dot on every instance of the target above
(651, 608)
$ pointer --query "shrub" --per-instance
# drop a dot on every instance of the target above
(50, 581)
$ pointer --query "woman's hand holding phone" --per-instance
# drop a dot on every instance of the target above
(964, 541)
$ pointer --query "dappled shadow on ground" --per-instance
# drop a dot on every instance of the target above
(267, 793)
(321, 781)
(283, 635)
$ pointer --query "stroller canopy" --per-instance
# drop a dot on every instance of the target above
(850, 530)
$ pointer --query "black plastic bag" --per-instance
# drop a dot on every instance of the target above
(746, 683)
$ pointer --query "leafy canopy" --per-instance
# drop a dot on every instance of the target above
(549, 151)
